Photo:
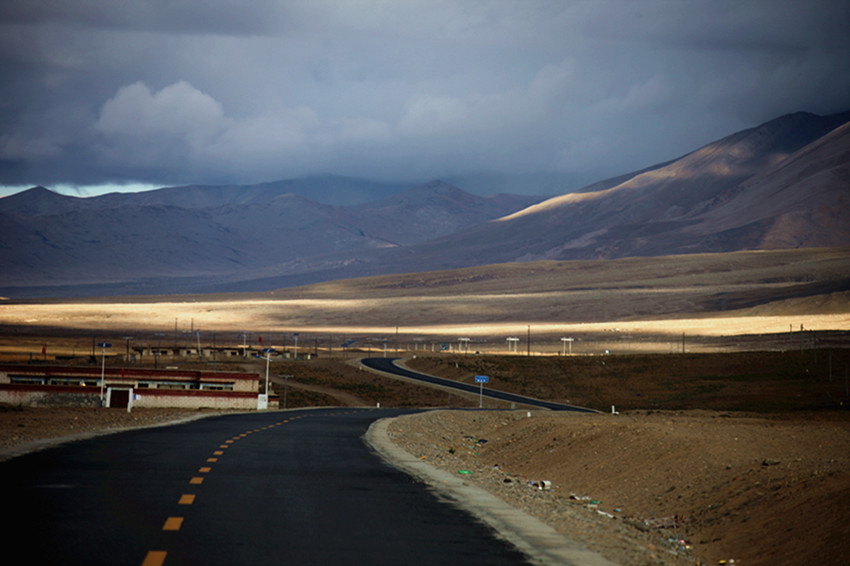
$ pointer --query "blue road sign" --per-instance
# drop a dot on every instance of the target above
(481, 379)
(104, 345)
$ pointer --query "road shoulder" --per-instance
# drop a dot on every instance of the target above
(533, 537)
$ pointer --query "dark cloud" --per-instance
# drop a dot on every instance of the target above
(178, 92)
(183, 17)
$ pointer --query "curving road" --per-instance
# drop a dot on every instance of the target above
(388, 365)
(294, 487)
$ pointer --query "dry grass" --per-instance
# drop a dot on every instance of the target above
(641, 300)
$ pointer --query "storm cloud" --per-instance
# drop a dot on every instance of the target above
(164, 92)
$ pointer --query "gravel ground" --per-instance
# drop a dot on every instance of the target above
(666, 488)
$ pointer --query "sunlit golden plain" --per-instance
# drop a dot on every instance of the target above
(708, 295)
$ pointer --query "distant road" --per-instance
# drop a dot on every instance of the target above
(388, 365)
(289, 487)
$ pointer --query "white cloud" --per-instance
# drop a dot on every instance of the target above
(183, 128)
(178, 109)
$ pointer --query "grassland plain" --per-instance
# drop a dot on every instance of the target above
(641, 303)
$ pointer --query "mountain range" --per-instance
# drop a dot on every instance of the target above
(189, 238)
(783, 184)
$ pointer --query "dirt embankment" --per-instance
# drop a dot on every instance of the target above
(661, 488)
(25, 429)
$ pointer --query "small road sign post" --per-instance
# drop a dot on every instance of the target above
(481, 380)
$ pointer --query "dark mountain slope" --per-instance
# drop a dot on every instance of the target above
(804, 201)
(433, 210)
(50, 239)
(332, 190)
(38, 201)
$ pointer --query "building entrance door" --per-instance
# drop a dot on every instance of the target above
(118, 398)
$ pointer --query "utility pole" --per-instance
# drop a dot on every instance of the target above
(159, 336)
(127, 354)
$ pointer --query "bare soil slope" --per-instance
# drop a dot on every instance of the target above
(704, 486)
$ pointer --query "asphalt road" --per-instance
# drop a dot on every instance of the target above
(387, 365)
(293, 488)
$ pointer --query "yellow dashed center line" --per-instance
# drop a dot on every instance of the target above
(157, 557)
(154, 558)
(173, 524)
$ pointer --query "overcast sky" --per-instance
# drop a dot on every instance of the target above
(174, 92)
